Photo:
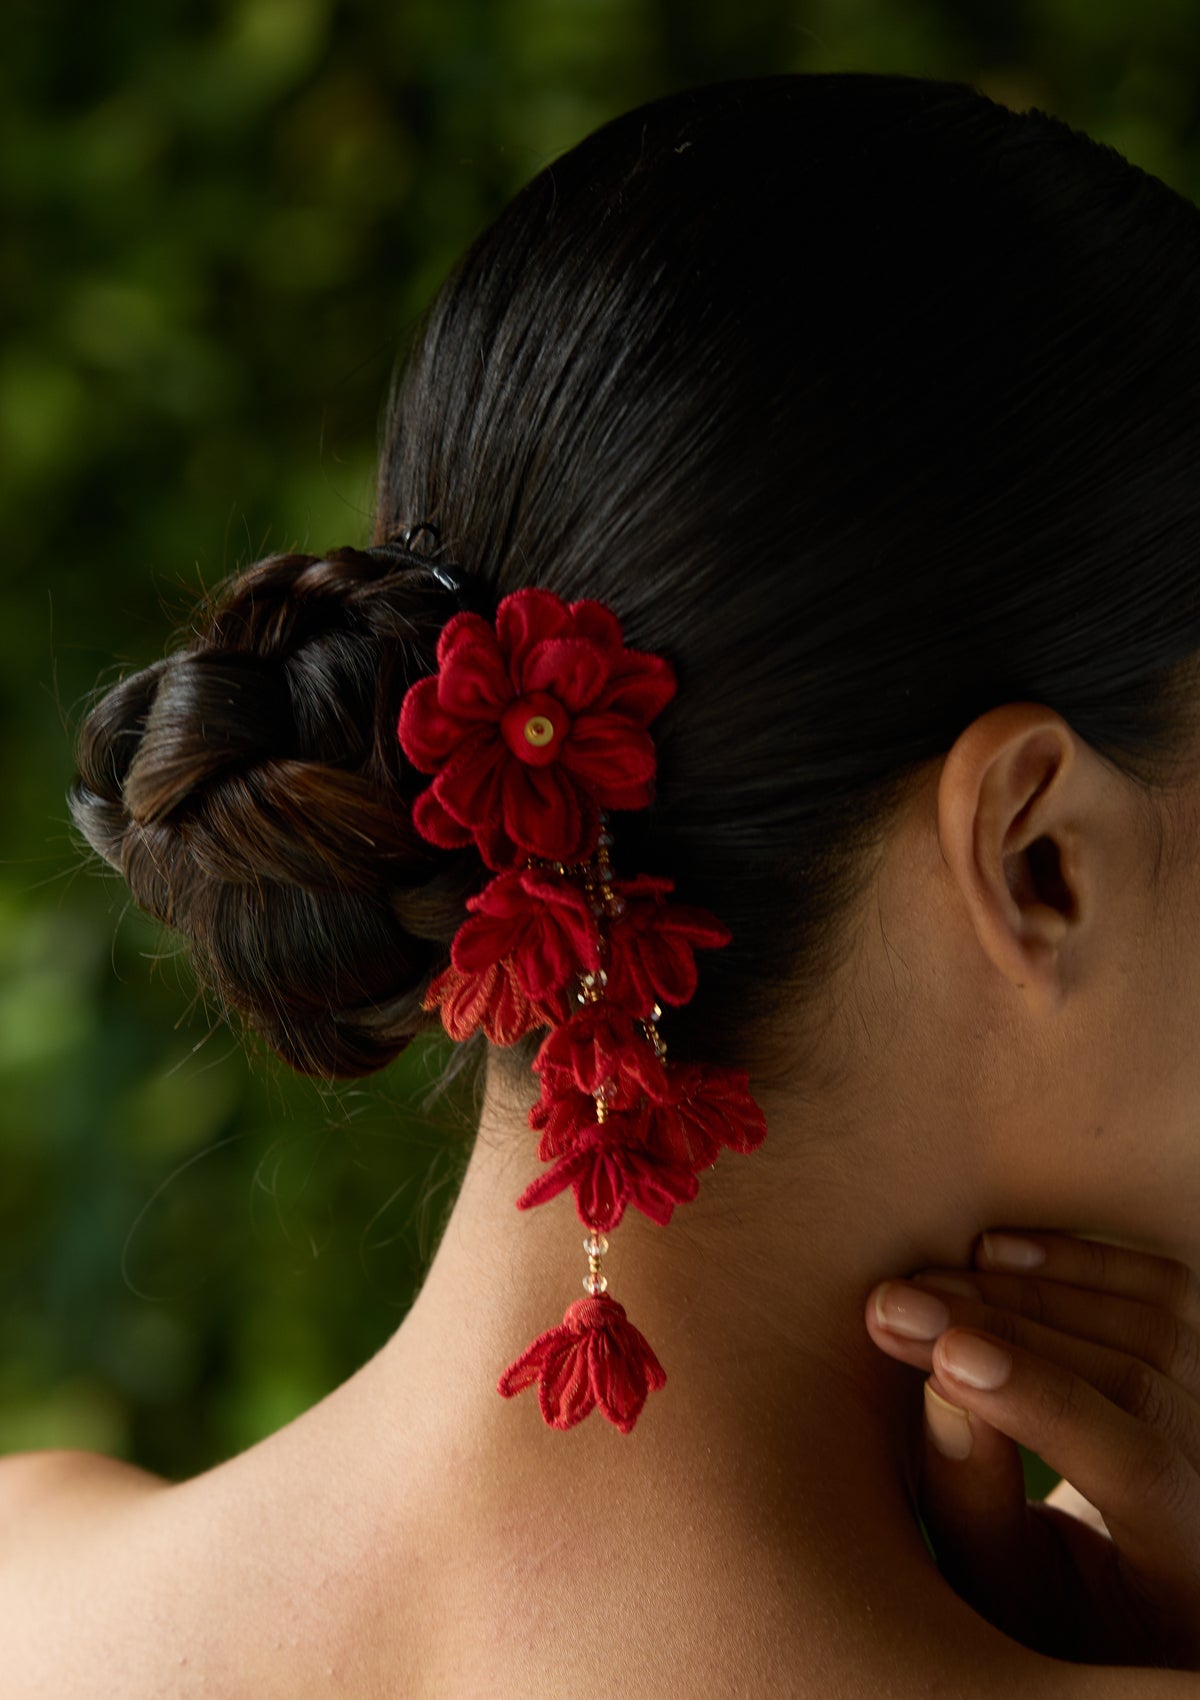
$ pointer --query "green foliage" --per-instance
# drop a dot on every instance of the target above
(219, 225)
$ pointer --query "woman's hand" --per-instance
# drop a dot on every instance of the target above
(1091, 1359)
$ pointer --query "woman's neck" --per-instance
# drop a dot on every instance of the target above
(752, 1297)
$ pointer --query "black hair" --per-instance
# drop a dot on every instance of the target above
(868, 402)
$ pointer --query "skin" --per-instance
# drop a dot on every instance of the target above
(1009, 1043)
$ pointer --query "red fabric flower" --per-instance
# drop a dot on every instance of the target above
(537, 922)
(651, 946)
(599, 1047)
(492, 1000)
(561, 1114)
(615, 1163)
(531, 728)
(596, 1359)
(709, 1109)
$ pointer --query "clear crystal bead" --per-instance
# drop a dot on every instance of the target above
(605, 839)
(595, 1283)
(657, 1011)
(605, 875)
(595, 1244)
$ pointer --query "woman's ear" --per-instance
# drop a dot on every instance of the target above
(1020, 805)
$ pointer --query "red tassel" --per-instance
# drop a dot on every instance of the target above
(596, 1358)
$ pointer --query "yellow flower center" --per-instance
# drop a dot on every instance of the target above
(538, 730)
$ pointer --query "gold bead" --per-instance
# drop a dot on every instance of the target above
(539, 730)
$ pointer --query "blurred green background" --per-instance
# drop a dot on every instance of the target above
(219, 222)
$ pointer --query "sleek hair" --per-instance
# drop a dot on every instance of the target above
(869, 403)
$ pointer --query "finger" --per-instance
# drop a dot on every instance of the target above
(905, 1319)
(973, 1502)
(1143, 1486)
(1159, 1337)
(1164, 1282)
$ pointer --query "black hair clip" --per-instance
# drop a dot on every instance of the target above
(467, 587)
(446, 576)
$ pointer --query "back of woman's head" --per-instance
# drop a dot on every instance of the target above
(867, 402)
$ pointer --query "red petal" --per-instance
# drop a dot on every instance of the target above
(473, 682)
(512, 1014)
(560, 1116)
(523, 1371)
(469, 787)
(657, 1187)
(606, 751)
(559, 940)
(524, 618)
(490, 1000)
(464, 1001)
(428, 736)
(431, 821)
(497, 848)
(596, 622)
(483, 940)
(571, 669)
(547, 961)
(639, 685)
(601, 1188)
(623, 1369)
(540, 811)
(566, 1394)
(464, 624)
(715, 1108)
(550, 1184)
(655, 886)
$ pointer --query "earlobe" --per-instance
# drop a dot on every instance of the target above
(1008, 800)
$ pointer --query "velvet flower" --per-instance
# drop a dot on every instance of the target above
(600, 1049)
(652, 945)
(493, 1000)
(540, 923)
(532, 726)
(596, 1358)
(614, 1163)
(708, 1109)
(560, 1115)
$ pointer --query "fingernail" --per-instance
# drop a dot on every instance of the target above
(1006, 1251)
(975, 1361)
(908, 1311)
(949, 1425)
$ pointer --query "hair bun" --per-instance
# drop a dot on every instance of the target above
(250, 789)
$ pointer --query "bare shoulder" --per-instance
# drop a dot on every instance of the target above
(248, 1578)
(253, 1579)
(50, 1494)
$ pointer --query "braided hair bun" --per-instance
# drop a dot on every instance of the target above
(251, 790)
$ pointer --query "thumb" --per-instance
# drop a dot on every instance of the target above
(973, 1503)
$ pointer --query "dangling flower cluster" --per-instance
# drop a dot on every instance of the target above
(536, 728)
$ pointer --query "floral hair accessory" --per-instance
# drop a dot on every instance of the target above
(535, 727)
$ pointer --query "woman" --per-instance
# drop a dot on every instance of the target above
(871, 407)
